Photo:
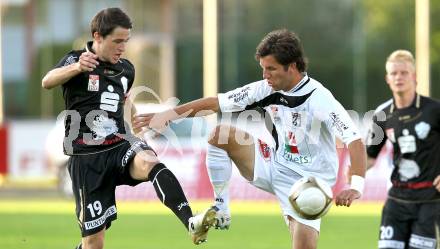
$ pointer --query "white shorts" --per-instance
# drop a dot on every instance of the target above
(277, 180)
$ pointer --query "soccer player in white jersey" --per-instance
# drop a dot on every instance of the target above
(306, 118)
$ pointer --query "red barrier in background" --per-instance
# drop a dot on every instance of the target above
(3, 149)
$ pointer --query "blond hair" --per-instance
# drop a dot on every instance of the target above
(402, 56)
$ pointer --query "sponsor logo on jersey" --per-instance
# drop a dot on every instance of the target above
(390, 134)
(240, 95)
(407, 142)
(109, 100)
(338, 123)
(93, 85)
(406, 117)
(422, 129)
(109, 71)
(296, 158)
(264, 150)
(291, 152)
(291, 145)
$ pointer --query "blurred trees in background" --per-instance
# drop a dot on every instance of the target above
(345, 41)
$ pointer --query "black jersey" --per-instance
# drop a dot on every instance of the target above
(414, 132)
(98, 97)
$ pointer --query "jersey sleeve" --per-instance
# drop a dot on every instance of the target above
(68, 59)
(334, 115)
(376, 136)
(239, 98)
(129, 77)
(132, 74)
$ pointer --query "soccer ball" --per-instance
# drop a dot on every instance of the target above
(311, 198)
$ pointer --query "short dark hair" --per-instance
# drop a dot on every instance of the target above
(108, 19)
(285, 46)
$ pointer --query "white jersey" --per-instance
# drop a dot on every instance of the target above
(306, 121)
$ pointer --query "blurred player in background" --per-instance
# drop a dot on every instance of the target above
(306, 118)
(103, 153)
(411, 122)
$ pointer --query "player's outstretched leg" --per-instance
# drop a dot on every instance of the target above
(219, 170)
(199, 225)
(170, 192)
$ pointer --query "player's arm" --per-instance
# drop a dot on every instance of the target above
(232, 101)
(358, 159)
(87, 62)
(370, 162)
(130, 112)
(196, 108)
(338, 120)
(376, 138)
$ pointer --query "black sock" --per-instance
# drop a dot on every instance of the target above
(170, 192)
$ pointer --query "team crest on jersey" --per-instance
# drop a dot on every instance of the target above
(422, 129)
(264, 150)
(390, 134)
(274, 110)
(296, 119)
(93, 85)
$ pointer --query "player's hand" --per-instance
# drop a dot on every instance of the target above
(436, 183)
(346, 197)
(155, 121)
(87, 62)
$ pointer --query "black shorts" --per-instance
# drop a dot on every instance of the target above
(94, 180)
(408, 225)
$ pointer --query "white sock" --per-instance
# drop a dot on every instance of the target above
(219, 170)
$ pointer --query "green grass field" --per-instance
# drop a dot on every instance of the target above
(51, 224)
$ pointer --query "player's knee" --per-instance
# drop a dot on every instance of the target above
(221, 136)
(143, 163)
(93, 242)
